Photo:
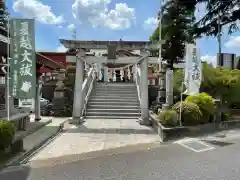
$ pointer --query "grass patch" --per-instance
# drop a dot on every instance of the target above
(6, 156)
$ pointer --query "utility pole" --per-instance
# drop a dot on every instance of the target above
(219, 39)
(74, 33)
(161, 75)
(8, 68)
(5, 61)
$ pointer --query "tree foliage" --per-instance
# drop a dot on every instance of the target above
(177, 26)
(217, 82)
(3, 15)
(224, 12)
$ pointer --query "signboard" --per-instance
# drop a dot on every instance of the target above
(23, 58)
(27, 103)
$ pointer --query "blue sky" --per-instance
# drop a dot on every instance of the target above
(103, 20)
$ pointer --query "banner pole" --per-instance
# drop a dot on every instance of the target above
(180, 108)
(8, 68)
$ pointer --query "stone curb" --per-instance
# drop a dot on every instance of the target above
(95, 154)
(169, 134)
(23, 136)
(34, 129)
(17, 160)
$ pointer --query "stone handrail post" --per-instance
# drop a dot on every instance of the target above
(114, 75)
(142, 86)
(129, 73)
(87, 87)
(82, 87)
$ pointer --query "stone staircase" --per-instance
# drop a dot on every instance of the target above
(113, 101)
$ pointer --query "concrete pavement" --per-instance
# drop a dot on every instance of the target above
(209, 157)
(35, 140)
(96, 135)
(172, 161)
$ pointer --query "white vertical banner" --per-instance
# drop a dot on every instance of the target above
(188, 66)
(193, 70)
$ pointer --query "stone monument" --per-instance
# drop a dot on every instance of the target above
(59, 95)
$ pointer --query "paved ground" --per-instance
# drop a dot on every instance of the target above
(35, 139)
(32, 125)
(172, 161)
(211, 157)
(43, 133)
(95, 135)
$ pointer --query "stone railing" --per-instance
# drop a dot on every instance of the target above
(87, 88)
(138, 79)
(141, 76)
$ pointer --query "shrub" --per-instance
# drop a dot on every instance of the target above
(222, 83)
(225, 116)
(190, 113)
(168, 118)
(206, 105)
(7, 132)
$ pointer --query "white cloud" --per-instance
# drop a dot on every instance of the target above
(150, 23)
(36, 9)
(61, 48)
(210, 60)
(97, 13)
(233, 42)
(71, 27)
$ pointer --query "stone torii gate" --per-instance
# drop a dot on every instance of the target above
(85, 55)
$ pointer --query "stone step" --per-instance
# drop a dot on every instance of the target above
(113, 106)
(116, 114)
(109, 103)
(90, 110)
(116, 90)
(115, 87)
(123, 99)
(114, 97)
(115, 94)
(116, 84)
(112, 117)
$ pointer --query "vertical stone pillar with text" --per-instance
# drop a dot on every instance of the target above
(169, 89)
(144, 120)
(78, 96)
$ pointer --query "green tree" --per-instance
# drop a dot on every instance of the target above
(3, 14)
(177, 28)
(219, 12)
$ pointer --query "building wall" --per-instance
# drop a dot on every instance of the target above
(227, 60)
(57, 57)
